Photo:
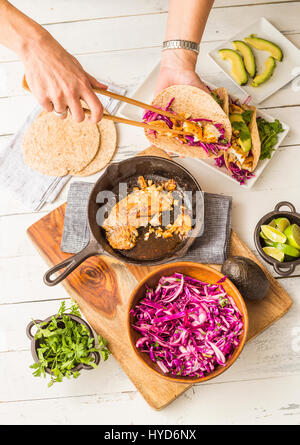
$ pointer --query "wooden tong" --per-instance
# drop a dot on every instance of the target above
(130, 101)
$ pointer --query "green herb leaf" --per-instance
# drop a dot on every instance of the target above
(217, 98)
(268, 132)
(247, 116)
(241, 127)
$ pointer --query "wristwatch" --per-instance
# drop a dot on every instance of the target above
(181, 44)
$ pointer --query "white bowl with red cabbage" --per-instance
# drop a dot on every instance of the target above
(187, 322)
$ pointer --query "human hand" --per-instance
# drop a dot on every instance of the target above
(178, 68)
(58, 81)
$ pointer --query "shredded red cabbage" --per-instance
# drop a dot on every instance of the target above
(213, 148)
(220, 161)
(240, 174)
(188, 327)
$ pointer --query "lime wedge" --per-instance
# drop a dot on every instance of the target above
(287, 250)
(262, 235)
(273, 234)
(274, 253)
(272, 223)
(282, 224)
(269, 243)
(292, 233)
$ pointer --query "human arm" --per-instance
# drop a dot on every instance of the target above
(186, 21)
(54, 76)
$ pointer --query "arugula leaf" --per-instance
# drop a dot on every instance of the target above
(268, 132)
(63, 344)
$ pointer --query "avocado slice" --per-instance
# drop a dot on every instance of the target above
(270, 65)
(265, 45)
(244, 140)
(247, 276)
(238, 70)
(248, 56)
(236, 117)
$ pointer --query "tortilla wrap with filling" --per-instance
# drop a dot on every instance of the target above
(256, 145)
(193, 103)
(222, 93)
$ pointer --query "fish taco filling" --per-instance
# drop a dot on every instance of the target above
(203, 133)
(242, 156)
(146, 206)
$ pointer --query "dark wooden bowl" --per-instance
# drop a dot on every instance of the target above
(203, 273)
(35, 343)
(286, 268)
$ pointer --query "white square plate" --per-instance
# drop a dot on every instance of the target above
(285, 70)
(144, 93)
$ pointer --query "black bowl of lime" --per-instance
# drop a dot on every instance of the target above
(277, 238)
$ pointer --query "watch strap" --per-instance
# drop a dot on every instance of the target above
(181, 44)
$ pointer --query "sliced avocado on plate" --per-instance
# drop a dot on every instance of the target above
(248, 56)
(270, 65)
(238, 70)
(265, 45)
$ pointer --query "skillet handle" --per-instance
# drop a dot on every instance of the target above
(70, 264)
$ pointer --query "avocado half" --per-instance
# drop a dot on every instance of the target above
(248, 56)
(270, 65)
(265, 45)
(247, 276)
(238, 70)
(246, 141)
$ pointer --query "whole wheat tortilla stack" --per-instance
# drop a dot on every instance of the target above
(256, 144)
(197, 104)
(55, 146)
(106, 150)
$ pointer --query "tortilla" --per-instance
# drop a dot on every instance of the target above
(197, 104)
(154, 151)
(223, 95)
(256, 144)
(55, 146)
(106, 150)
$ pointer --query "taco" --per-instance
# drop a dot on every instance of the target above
(242, 157)
(221, 96)
(195, 112)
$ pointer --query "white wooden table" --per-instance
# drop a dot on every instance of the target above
(119, 41)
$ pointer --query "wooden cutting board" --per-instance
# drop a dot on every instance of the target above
(102, 286)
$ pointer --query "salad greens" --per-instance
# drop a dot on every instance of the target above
(268, 132)
(64, 344)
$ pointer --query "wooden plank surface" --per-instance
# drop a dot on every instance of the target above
(101, 286)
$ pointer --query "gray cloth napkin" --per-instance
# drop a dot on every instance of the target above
(211, 247)
(30, 187)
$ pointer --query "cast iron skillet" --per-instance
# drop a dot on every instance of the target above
(150, 252)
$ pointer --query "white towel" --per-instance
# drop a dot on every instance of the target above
(30, 187)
